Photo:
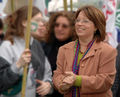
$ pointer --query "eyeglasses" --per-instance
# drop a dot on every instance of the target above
(62, 25)
(85, 21)
(43, 20)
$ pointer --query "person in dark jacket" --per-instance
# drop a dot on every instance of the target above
(7, 76)
(60, 31)
(116, 85)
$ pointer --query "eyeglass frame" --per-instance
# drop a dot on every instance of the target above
(85, 21)
(62, 25)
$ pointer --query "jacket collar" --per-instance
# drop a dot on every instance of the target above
(70, 46)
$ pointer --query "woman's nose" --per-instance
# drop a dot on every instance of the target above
(41, 24)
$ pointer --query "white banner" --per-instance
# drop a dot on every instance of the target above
(2, 5)
(109, 9)
(5, 6)
(58, 5)
(41, 5)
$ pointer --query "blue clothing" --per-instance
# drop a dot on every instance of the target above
(116, 85)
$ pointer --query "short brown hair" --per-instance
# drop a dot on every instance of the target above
(52, 21)
(97, 17)
(14, 22)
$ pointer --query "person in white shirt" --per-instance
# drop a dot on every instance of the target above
(39, 78)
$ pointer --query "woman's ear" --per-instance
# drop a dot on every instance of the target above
(24, 23)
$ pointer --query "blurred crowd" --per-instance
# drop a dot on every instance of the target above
(68, 56)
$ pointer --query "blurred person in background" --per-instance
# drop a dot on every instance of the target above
(86, 66)
(39, 77)
(40, 30)
(116, 85)
(1, 31)
(60, 30)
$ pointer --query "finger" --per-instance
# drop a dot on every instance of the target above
(63, 84)
(66, 81)
(43, 93)
(27, 60)
(69, 80)
(26, 51)
(39, 81)
(65, 87)
(41, 89)
(27, 56)
(69, 73)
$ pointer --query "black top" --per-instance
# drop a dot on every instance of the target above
(7, 77)
(51, 51)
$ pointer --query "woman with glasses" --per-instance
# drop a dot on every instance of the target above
(13, 50)
(60, 31)
(86, 66)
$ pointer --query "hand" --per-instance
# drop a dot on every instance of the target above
(24, 59)
(68, 81)
(44, 88)
(64, 87)
(70, 78)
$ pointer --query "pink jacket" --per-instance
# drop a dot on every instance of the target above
(97, 69)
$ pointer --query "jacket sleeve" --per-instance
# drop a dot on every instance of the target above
(104, 78)
(48, 74)
(58, 73)
(7, 76)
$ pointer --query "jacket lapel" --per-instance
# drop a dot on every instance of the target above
(69, 54)
(92, 50)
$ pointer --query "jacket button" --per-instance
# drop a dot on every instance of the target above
(82, 65)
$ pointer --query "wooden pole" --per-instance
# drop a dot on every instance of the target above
(65, 5)
(12, 6)
(71, 5)
(27, 41)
